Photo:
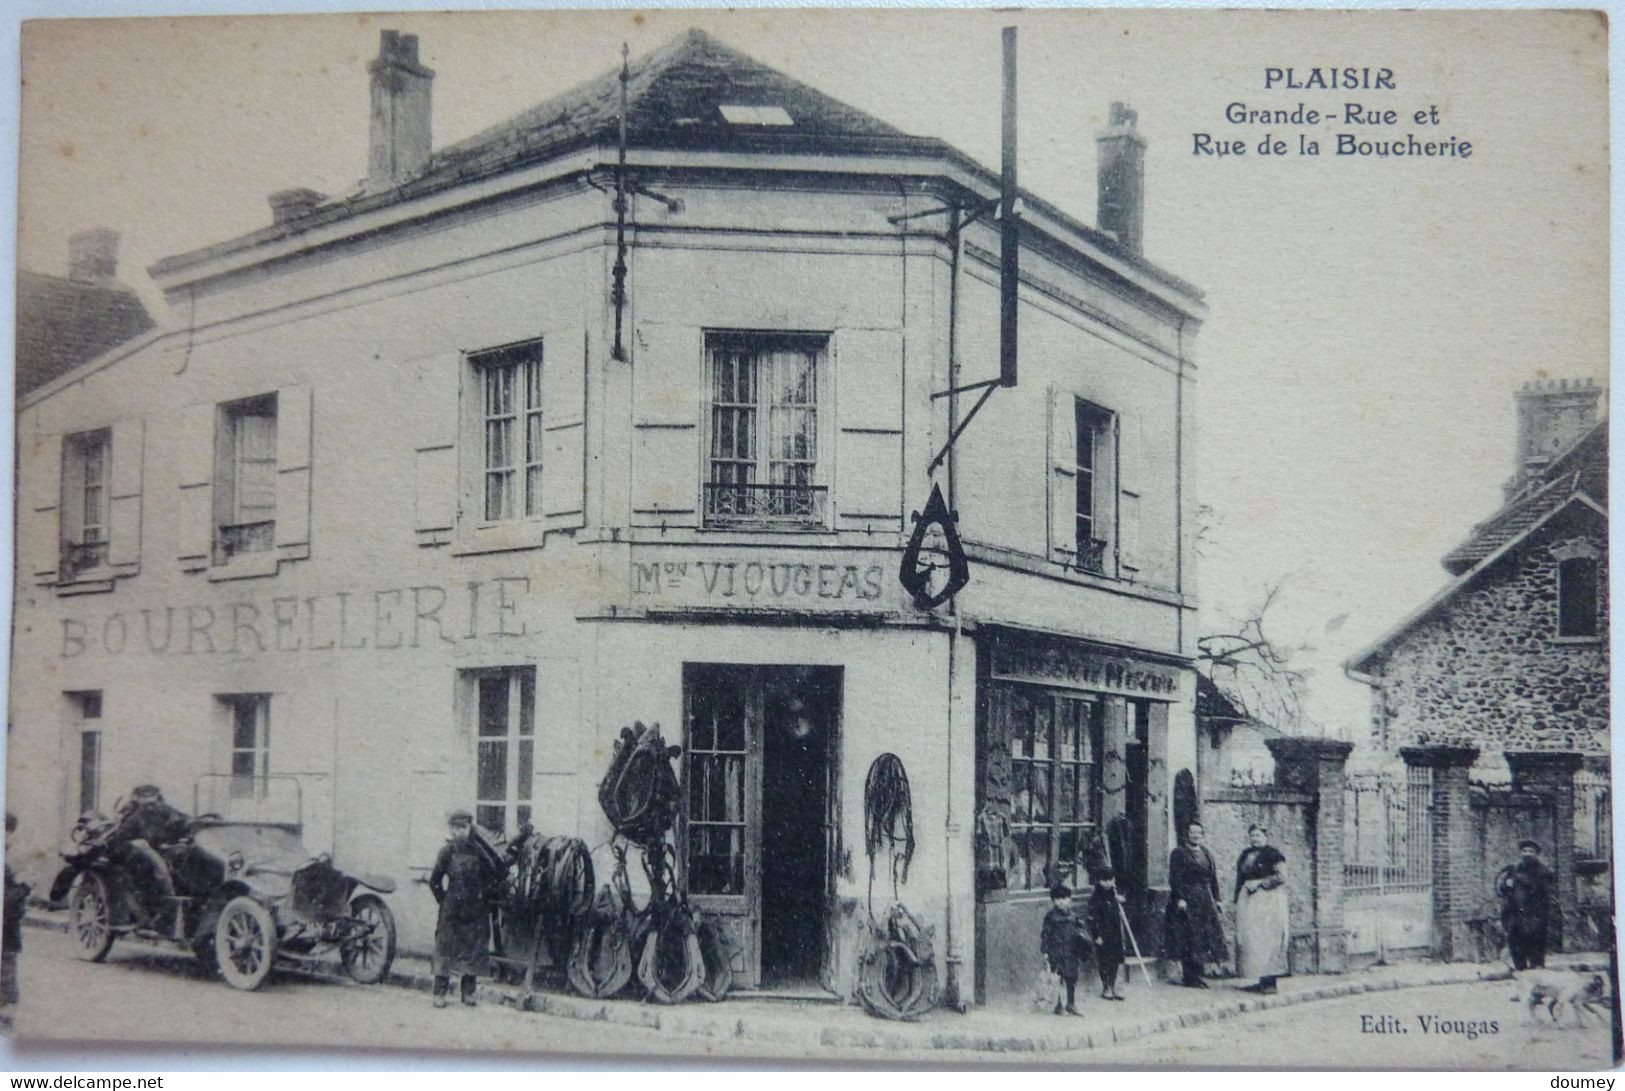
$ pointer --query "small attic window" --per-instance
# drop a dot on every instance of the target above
(735, 114)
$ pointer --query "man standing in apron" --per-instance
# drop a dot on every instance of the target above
(462, 882)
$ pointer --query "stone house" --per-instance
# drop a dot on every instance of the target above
(448, 479)
(1501, 678)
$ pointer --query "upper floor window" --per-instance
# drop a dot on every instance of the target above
(86, 500)
(510, 385)
(246, 477)
(1093, 494)
(1577, 597)
(764, 443)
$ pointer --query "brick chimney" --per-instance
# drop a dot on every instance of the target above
(1120, 154)
(93, 256)
(399, 145)
(1552, 413)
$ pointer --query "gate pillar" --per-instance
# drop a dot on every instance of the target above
(1458, 880)
(1315, 766)
(1550, 773)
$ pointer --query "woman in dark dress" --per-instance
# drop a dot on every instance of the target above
(1263, 927)
(462, 882)
(1194, 934)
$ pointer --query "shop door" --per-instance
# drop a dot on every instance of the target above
(720, 836)
(757, 826)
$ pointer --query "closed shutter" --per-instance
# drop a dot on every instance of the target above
(564, 428)
(40, 523)
(667, 392)
(1062, 472)
(195, 458)
(869, 415)
(293, 470)
(434, 465)
(1129, 473)
(124, 515)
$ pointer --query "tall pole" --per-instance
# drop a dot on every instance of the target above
(618, 291)
(1009, 233)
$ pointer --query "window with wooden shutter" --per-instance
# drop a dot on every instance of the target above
(1083, 487)
(245, 486)
(86, 502)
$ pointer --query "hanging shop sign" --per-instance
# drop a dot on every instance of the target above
(934, 567)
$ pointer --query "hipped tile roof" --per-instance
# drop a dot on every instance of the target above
(62, 323)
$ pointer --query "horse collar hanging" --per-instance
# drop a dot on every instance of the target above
(934, 575)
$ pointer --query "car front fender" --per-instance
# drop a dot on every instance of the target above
(381, 883)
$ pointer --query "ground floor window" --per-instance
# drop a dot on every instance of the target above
(504, 702)
(88, 708)
(250, 761)
(1054, 746)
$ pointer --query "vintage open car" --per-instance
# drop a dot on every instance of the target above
(244, 893)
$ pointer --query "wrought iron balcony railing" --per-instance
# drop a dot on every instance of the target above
(238, 538)
(780, 505)
(83, 557)
(1091, 557)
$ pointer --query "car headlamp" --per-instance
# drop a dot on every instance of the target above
(234, 862)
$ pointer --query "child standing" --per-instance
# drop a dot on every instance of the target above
(1062, 944)
(1106, 925)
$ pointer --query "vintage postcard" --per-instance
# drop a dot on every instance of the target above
(1032, 537)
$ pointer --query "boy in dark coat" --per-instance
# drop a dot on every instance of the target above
(1062, 944)
(1106, 925)
(462, 882)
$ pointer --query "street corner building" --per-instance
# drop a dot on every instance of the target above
(433, 487)
(1495, 691)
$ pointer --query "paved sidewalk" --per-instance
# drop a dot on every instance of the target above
(800, 1026)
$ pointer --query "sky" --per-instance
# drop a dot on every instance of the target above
(1370, 319)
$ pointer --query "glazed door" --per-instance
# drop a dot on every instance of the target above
(720, 847)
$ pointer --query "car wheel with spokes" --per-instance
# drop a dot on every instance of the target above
(368, 958)
(244, 943)
(91, 909)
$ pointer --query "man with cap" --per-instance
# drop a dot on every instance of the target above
(462, 882)
(145, 825)
(1528, 895)
(11, 939)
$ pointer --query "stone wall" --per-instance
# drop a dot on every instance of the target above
(1226, 814)
(1488, 669)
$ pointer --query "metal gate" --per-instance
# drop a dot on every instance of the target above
(1388, 862)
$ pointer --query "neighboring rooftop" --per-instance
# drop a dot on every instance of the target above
(63, 322)
(1577, 474)
(1581, 469)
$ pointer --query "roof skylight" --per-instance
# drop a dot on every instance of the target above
(735, 114)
